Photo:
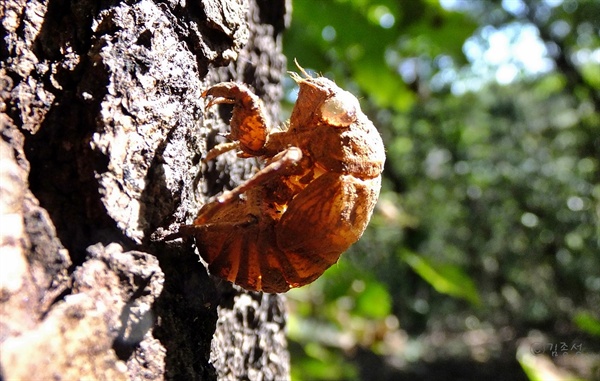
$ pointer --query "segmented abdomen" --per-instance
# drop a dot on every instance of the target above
(247, 255)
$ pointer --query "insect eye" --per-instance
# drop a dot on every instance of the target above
(340, 110)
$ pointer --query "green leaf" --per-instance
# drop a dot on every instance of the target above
(444, 278)
(587, 322)
(374, 301)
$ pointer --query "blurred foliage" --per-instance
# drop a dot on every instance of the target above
(487, 230)
(447, 279)
(366, 40)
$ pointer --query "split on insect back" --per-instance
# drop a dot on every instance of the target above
(312, 200)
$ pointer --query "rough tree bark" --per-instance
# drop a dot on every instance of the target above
(103, 129)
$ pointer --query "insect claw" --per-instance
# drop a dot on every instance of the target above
(219, 100)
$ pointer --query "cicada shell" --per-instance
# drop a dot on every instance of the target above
(312, 200)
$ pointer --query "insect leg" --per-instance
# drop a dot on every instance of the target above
(220, 149)
(248, 121)
(284, 163)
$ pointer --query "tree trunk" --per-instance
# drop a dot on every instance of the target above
(103, 128)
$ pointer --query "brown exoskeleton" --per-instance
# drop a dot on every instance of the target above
(312, 200)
